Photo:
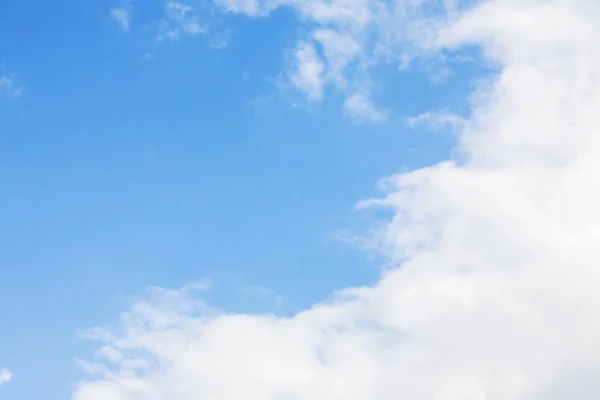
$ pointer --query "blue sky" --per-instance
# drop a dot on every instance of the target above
(127, 161)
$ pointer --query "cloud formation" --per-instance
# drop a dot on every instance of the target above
(5, 376)
(495, 294)
(10, 89)
(122, 15)
(181, 19)
(360, 108)
(346, 40)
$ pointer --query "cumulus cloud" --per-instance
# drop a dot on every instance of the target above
(495, 294)
(5, 376)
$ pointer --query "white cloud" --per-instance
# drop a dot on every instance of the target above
(122, 15)
(339, 50)
(312, 70)
(359, 107)
(436, 121)
(181, 19)
(496, 291)
(353, 36)
(248, 7)
(10, 89)
(5, 376)
(308, 71)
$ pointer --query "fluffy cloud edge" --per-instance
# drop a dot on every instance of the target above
(122, 15)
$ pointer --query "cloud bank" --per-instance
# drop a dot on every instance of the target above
(495, 294)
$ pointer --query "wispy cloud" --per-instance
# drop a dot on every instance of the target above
(346, 40)
(122, 15)
(181, 19)
(10, 88)
(359, 107)
(436, 121)
(220, 40)
(5, 376)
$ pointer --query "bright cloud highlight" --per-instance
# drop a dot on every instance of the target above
(5, 376)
